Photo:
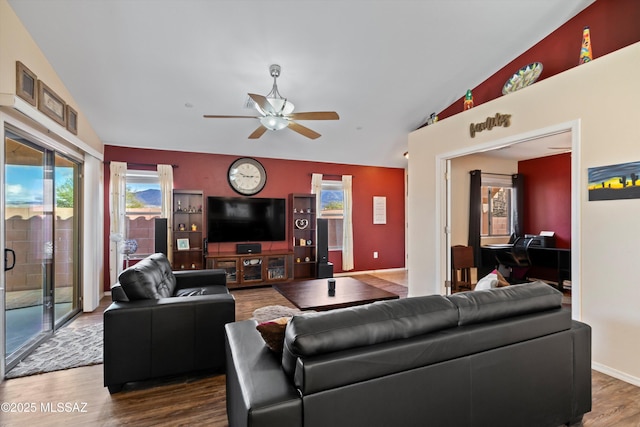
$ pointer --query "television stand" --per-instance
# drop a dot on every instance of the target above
(249, 270)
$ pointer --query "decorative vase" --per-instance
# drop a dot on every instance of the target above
(585, 51)
(468, 100)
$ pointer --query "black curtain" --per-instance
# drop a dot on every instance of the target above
(517, 181)
(475, 213)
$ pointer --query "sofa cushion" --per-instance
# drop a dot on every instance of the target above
(150, 278)
(325, 332)
(498, 303)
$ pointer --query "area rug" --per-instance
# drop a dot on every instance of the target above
(271, 312)
(68, 348)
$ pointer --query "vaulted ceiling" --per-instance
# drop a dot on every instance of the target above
(144, 72)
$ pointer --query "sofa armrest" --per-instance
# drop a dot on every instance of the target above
(153, 338)
(200, 278)
(581, 369)
(259, 394)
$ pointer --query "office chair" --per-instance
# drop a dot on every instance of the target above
(516, 260)
(461, 266)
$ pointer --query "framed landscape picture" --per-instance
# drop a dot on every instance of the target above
(51, 104)
(26, 83)
(183, 244)
(72, 120)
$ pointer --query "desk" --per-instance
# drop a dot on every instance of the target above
(553, 264)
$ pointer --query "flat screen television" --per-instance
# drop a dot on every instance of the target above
(239, 219)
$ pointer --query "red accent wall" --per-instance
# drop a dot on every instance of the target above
(208, 172)
(547, 196)
(613, 24)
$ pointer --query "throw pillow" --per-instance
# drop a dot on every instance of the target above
(272, 332)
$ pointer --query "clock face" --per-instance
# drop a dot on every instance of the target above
(247, 176)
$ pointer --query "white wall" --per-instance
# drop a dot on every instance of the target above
(599, 100)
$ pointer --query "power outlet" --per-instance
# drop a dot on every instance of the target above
(375, 254)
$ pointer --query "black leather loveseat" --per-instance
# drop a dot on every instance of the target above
(164, 323)
(502, 357)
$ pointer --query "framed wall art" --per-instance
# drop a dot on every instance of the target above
(51, 104)
(72, 120)
(26, 82)
(183, 244)
(614, 182)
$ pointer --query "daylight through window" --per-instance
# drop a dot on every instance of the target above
(332, 208)
(143, 198)
(497, 206)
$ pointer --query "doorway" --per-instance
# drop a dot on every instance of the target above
(41, 242)
(529, 145)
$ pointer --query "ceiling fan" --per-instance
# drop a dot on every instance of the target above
(277, 113)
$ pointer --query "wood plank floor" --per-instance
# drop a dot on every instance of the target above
(192, 401)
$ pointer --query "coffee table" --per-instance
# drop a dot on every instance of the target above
(314, 294)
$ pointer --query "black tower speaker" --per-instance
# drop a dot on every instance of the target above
(160, 235)
(324, 267)
(322, 245)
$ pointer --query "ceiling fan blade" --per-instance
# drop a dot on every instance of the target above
(213, 116)
(262, 102)
(303, 130)
(315, 115)
(258, 132)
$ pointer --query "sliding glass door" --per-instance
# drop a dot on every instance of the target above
(40, 243)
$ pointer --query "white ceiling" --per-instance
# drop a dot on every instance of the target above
(145, 71)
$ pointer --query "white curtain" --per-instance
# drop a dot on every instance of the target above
(347, 224)
(316, 188)
(165, 175)
(117, 209)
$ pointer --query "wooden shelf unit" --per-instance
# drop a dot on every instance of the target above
(188, 223)
(246, 270)
(302, 222)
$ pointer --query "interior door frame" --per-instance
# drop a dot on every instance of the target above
(443, 200)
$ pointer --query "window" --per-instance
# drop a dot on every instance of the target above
(497, 206)
(331, 208)
(143, 199)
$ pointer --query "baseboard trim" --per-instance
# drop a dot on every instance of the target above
(616, 374)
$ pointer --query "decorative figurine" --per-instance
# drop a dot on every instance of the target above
(468, 100)
(194, 227)
(585, 51)
(179, 206)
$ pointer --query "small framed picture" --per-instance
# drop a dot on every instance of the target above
(183, 244)
(51, 104)
(26, 83)
(72, 120)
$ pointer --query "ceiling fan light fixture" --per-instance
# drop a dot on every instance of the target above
(281, 105)
(274, 122)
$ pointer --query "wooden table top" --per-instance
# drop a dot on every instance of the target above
(314, 294)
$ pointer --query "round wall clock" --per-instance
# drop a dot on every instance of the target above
(247, 176)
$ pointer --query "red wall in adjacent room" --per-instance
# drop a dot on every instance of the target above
(613, 24)
(208, 172)
(547, 196)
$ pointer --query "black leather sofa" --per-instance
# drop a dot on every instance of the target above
(502, 357)
(163, 323)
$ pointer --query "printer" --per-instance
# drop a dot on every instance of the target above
(546, 239)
